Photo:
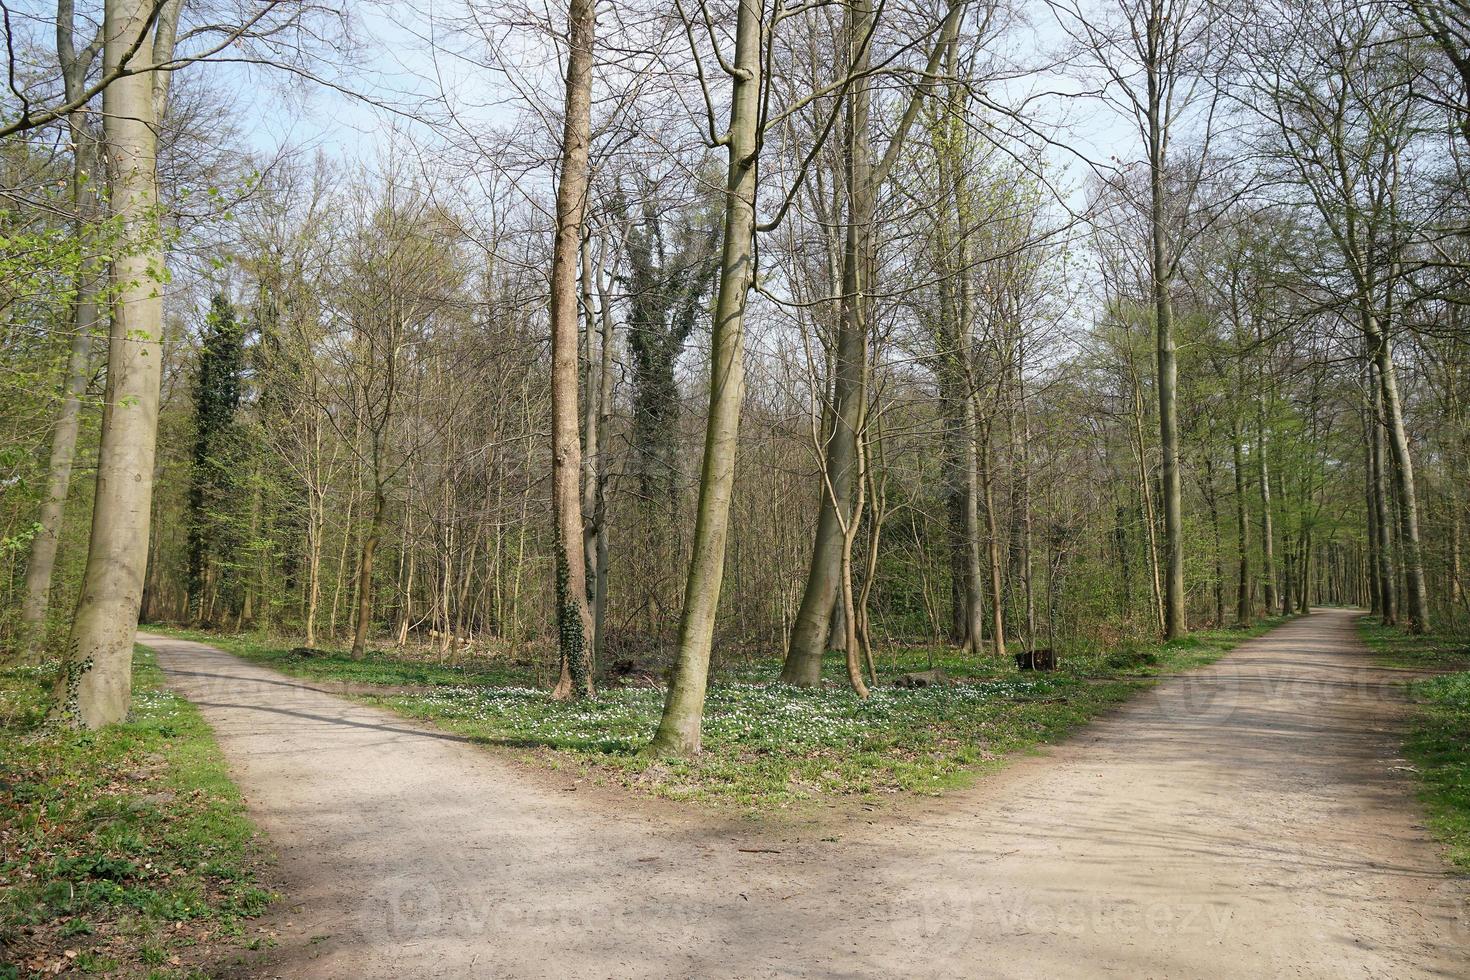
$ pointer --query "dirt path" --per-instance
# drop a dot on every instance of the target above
(1246, 820)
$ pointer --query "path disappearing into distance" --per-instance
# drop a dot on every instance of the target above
(1249, 819)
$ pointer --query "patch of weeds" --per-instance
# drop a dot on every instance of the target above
(1131, 659)
(121, 850)
(1438, 741)
(411, 668)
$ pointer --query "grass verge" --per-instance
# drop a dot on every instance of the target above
(124, 852)
(768, 746)
(1438, 743)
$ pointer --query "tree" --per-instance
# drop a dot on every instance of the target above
(596, 434)
(94, 688)
(214, 483)
(85, 201)
(668, 260)
(1447, 23)
(400, 276)
(679, 726)
(1346, 122)
(669, 272)
(863, 176)
(1150, 59)
(574, 618)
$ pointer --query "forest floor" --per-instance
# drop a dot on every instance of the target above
(1438, 739)
(1250, 818)
(767, 746)
(123, 852)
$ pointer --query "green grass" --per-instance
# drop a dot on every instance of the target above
(767, 746)
(124, 852)
(1438, 742)
(377, 667)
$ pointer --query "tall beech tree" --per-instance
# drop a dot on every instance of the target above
(1153, 56)
(1346, 122)
(94, 687)
(683, 715)
(575, 627)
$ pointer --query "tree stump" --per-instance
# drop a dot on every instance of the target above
(1036, 660)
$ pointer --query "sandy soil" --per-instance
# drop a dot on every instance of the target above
(1250, 819)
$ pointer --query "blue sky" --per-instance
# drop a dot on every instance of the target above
(397, 63)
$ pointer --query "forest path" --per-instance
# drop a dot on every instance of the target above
(1243, 820)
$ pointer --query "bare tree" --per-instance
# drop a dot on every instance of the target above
(1150, 54)
(1346, 124)
(863, 176)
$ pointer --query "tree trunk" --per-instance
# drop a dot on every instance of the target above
(341, 576)
(1454, 464)
(574, 619)
(1370, 508)
(1457, 584)
(445, 606)
(251, 587)
(407, 570)
(679, 728)
(809, 634)
(1161, 272)
(1268, 532)
(603, 475)
(86, 204)
(42, 560)
(974, 610)
(95, 686)
(1027, 534)
(1288, 571)
(1242, 534)
(992, 531)
(316, 522)
(872, 459)
(1213, 505)
(1387, 590)
(1146, 498)
(365, 571)
(594, 431)
(1304, 575)
(851, 646)
(1417, 597)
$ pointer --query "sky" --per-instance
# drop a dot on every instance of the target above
(394, 61)
(405, 56)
